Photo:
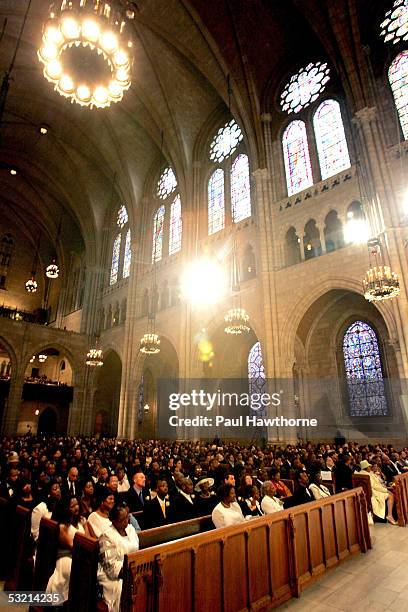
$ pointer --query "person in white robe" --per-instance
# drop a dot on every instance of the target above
(318, 489)
(118, 540)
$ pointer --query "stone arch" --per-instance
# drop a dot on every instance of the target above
(107, 387)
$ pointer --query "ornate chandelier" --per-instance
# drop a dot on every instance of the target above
(42, 358)
(31, 285)
(379, 282)
(86, 50)
(236, 321)
(150, 344)
(94, 357)
(52, 271)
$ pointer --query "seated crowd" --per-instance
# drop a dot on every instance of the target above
(110, 489)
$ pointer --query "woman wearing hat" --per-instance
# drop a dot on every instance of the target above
(206, 499)
(380, 494)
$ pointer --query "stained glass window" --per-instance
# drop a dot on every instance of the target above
(115, 260)
(167, 183)
(304, 87)
(398, 77)
(256, 372)
(225, 141)
(330, 139)
(175, 226)
(158, 230)
(395, 25)
(364, 375)
(128, 256)
(296, 155)
(240, 189)
(216, 205)
(122, 218)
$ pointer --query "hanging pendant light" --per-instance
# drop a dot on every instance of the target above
(91, 34)
(236, 318)
(379, 282)
(52, 270)
(150, 344)
(32, 285)
(94, 357)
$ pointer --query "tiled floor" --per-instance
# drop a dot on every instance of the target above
(373, 582)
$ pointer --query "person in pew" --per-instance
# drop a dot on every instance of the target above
(280, 487)
(119, 539)
(206, 499)
(184, 504)
(87, 502)
(302, 494)
(45, 508)
(380, 494)
(317, 487)
(99, 521)
(158, 511)
(227, 512)
(270, 503)
(136, 496)
(9, 488)
(23, 496)
(344, 473)
(70, 521)
(250, 505)
(123, 482)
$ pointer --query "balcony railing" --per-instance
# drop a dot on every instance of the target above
(39, 316)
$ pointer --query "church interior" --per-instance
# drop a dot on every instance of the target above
(203, 195)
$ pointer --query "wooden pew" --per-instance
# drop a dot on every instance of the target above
(401, 498)
(258, 564)
(82, 589)
(4, 535)
(363, 480)
(46, 557)
(20, 566)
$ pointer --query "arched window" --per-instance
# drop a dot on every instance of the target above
(175, 226)
(128, 256)
(216, 204)
(166, 183)
(296, 156)
(398, 78)
(364, 374)
(330, 139)
(115, 260)
(256, 372)
(158, 232)
(304, 87)
(240, 189)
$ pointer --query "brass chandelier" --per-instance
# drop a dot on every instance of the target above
(94, 357)
(379, 282)
(236, 318)
(86, 50)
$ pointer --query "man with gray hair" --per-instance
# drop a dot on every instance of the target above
(269, 503)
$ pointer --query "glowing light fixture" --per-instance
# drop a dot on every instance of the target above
(94, 357)
(52, 271)
(150, 344)
(42, 358)
(203, 282)
(236, 321)
(31, 285)
(88, 30)
(380, 282)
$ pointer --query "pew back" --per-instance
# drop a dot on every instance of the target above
(82, 584)
(363, 480)
(255, 565)
(19, 574)
(174, 531)
(46, 557)
(401, 498)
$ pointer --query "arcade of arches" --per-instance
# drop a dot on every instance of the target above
(217, 159)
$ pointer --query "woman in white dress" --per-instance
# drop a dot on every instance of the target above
(227, 512)
(99, 521)
(318, 489)
(45, 508)
(270, 503)
(118, 540)
(67, 515)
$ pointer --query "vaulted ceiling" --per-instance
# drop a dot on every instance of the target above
(183, 52)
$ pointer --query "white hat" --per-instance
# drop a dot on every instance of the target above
(202, 481)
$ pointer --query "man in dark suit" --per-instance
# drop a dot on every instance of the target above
(158, 511)
(136, 496)
(389, 469)
(344, 473)
(70, 486)
(184, 507)
(302, 494)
